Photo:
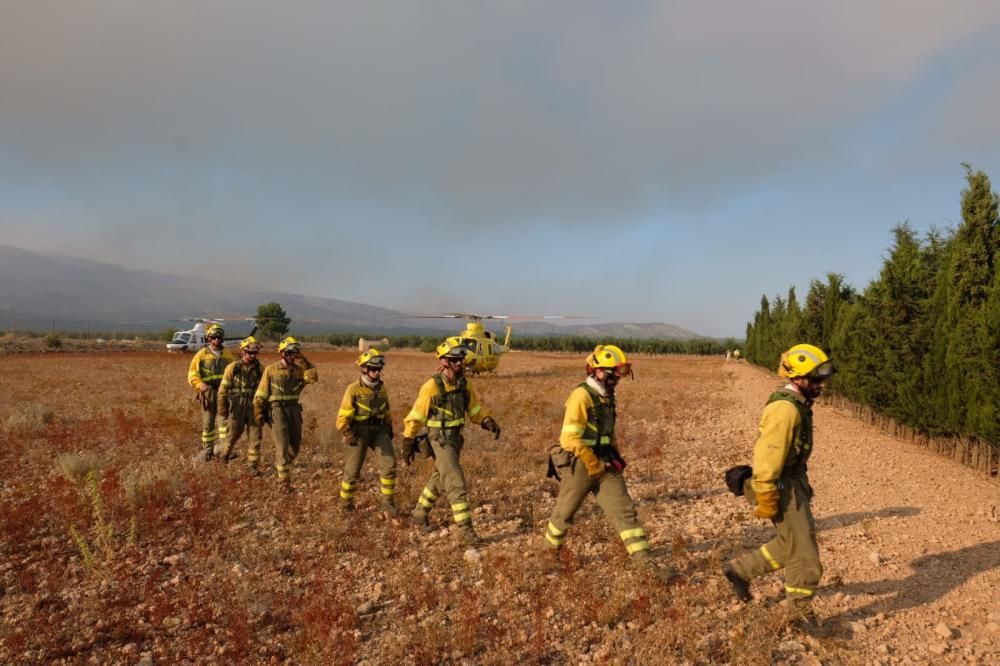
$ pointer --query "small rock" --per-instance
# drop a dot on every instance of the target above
(938, 648)
(472, 555)
(995, 617)
(131, 649)
(882, 648)
(237, 527)
(859, 627)
(172, 560)
(239, 570)
(874, 557)
(993, 627)
(145, 659)
(943, 630)
(791, 646)
(189, 503)
(366, 608)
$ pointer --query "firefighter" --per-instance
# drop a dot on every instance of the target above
(239, 381)
(586, 460)
(277, 402)
(443, 404)
(205, 375)
(780, 487)
(365, 421)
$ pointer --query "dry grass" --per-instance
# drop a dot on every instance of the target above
(76, 466)
(27, 420)
(226, 568)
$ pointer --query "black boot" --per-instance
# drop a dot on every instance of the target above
(741, 586)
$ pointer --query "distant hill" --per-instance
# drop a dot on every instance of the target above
(40, 291)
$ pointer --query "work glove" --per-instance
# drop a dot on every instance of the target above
(489, 424)
(223, 409)
(349, 438)
(615, 465)
(258, 413)
(767, 504)
(409, 450)
(595, 468)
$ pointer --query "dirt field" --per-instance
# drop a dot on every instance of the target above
(156, 559)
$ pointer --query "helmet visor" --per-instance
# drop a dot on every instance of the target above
(824, 370)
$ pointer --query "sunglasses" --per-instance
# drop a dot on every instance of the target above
(249, 353)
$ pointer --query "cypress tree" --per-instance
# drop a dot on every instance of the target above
(969, 344)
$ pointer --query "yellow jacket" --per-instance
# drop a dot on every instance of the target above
(575, 422)
(280, 384)
(205, 367)
(419, 415)
(779, 428)
(240, 381)
(356, 406)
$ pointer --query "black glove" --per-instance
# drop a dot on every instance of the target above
(349, 438)
(409, 450)
(489, 424)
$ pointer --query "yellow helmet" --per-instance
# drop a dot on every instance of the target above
(289, 344)
(249, 344)
(371, 357)
(453, 347)
(215, 330)
(609, 357)
(804, 360)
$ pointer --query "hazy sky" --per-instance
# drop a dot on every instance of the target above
(637, 161)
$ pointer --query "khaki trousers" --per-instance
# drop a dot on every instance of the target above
(376, 438)
(611, 494)
(240, 419)
(448, 478)
(286, 431)
(794, 549)
(208, 433)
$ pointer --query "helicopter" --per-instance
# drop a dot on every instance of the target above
(484, 346)
(194, 339)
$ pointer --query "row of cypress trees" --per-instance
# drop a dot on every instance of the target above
(921, 343)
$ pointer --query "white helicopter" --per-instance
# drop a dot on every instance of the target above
(194, 339)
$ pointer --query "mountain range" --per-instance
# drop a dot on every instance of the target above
(40, 291)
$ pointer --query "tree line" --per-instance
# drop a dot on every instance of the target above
(921, 343)
(567, 343)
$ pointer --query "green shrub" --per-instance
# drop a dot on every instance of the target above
(53, 341)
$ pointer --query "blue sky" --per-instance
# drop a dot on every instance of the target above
(645, 161)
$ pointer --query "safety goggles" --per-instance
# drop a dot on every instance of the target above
(248, 352)
(451, 359)
(215, 337)
(623, 370)
(373, 368)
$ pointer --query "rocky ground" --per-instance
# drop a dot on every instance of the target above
(117, 548)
